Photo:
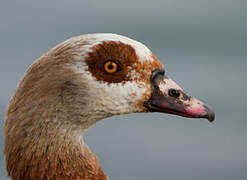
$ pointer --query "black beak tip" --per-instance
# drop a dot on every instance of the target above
(211, 117)
(210, 114)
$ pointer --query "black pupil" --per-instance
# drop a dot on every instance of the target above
(174, 93)
(110, 66)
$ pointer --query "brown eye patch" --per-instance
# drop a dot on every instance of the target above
(131, 68)
(115, 54)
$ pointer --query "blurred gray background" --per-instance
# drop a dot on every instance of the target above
(203, 45)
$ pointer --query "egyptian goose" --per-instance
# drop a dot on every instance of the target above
(79, 82)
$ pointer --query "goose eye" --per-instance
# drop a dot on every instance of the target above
(111, 66)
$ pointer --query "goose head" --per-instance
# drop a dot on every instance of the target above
(123, 76)
(94, 76)
(107, 74)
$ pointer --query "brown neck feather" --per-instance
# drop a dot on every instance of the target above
(51, 153)
(53, 158)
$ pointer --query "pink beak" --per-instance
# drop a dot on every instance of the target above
(168, 97)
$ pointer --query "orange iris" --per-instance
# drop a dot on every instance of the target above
(111, 67)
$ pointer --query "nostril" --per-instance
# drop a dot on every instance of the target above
(174, 93)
